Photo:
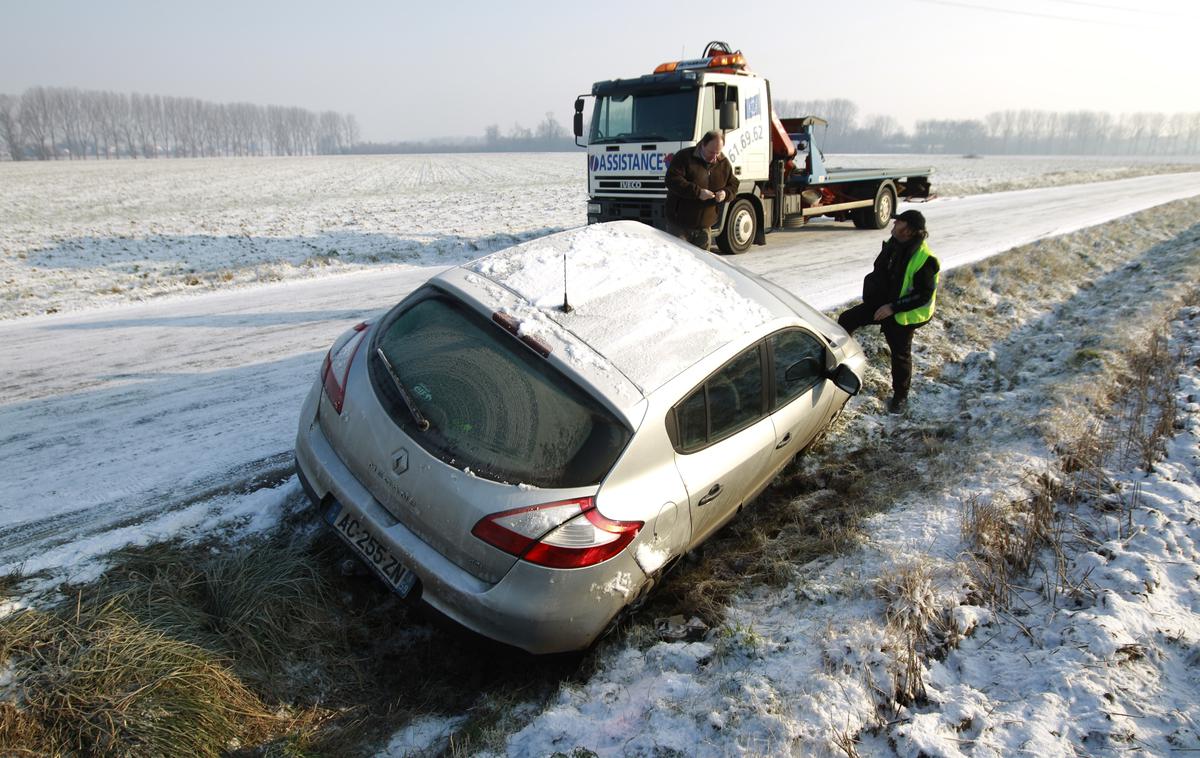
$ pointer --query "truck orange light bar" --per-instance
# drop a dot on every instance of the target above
(736, 60)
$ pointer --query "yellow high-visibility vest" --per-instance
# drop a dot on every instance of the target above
(925, 312)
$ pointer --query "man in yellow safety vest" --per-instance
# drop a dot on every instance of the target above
(899, 294)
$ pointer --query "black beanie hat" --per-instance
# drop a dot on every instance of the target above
(914, 219)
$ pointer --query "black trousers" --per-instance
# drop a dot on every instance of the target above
(899, 339)
(701, 238)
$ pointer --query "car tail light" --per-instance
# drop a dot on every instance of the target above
(565, 534)
(337, 364)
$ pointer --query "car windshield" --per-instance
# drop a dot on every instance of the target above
(644, 116)
(494, 407)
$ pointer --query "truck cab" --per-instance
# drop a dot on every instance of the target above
(638, 125)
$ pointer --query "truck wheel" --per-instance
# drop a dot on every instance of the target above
(740, 227)
(885, 206)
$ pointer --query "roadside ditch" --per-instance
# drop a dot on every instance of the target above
(269, 649)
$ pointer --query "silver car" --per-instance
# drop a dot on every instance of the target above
(529, 441)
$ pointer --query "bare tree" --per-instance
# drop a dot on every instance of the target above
(10, 129)
(34, 118)
(880, 132)
(519, 132)
(550, 129)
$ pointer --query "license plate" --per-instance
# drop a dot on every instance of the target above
(361, 536)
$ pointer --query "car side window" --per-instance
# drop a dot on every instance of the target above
(735, 394)
(804, 355)
(729, 400)
(692, 417)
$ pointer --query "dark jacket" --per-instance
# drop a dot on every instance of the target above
(687, 175)
(882, 285)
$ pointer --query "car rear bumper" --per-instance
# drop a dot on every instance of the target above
(538, 609)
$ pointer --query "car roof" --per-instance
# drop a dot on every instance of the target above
(641, 300)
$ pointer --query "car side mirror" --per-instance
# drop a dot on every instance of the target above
(805, 369)
(729, 115)
(846, 380)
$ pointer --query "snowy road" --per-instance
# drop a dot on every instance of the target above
(114, 417)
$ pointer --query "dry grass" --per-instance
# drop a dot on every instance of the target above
(846, 742)
(267, 607)
(101, 682)
(270, 651)
(1005, 537)
(1125, 420)
(1149, 410)
(913, 614)
(9, 583)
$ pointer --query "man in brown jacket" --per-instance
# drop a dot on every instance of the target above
(698, 179)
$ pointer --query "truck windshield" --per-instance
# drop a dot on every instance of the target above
(644, 116)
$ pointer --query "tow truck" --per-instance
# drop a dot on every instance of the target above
(638, 125)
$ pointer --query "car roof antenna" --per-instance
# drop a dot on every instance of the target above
(566, 306)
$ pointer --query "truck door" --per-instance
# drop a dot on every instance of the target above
(746, 147)
(754, 143)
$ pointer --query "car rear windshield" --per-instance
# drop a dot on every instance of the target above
(493, 405)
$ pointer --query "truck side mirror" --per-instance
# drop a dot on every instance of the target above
(578, 120)
(729, 115)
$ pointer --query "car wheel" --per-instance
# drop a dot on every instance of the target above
(741, 226)
(885, 206)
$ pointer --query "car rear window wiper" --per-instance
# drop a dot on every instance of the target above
(422, 422)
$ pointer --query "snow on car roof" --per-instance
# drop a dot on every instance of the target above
(649, 303)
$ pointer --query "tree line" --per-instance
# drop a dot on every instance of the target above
(1010, 132)
(547, 137)
(45, 123)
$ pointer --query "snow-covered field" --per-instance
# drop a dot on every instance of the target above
(149, 421)
(83, 234)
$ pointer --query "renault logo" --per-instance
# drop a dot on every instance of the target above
(400, 461)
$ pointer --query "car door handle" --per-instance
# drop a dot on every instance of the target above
(783, 442)
(712, 494)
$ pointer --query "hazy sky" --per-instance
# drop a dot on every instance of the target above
(414, 70)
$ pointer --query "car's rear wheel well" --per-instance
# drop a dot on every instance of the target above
(633, 606)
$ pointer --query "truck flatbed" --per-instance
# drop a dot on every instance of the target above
(840, 175)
